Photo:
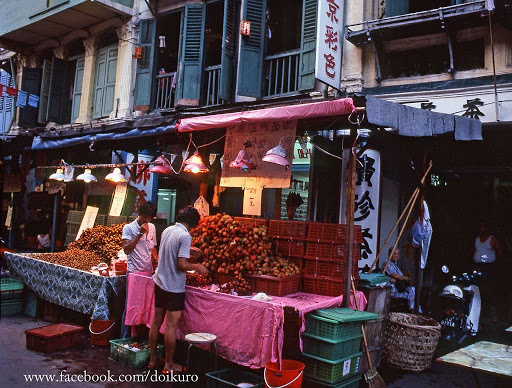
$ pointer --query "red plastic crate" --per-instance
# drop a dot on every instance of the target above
(273, 228)
(221, 278)
(52, 338)
(299, 262)
(337, 233)
(251, 222)
(287, 229)
(322, 285)
(271, 285)
(319, 250)
(289, 248)
(340, 235)
(320, 267)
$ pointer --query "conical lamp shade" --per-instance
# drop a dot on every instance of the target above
(87, 176)
(116, 176)
(276, 155)
(163, 168)
(58, 175)
(195, 164)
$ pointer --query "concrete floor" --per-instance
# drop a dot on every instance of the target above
(17, 361)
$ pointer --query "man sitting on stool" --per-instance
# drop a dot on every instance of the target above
(399, 281)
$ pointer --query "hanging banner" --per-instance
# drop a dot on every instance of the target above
(202, 207)
(262, 137)
(88, 221)
(21, 102)
(118, 200)
(8, 219)
(329, 41)
(252, 200)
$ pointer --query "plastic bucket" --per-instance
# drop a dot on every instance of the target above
(289, 376)
(101, 332)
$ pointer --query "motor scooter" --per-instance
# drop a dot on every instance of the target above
(458, 306)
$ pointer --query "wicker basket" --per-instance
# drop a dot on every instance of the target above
(411, 341)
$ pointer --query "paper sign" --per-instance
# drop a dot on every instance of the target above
(68, 174)
(346, 367)
(88, 221)
(202, 207)
(118, 201)
(252, 200)
(8, 219)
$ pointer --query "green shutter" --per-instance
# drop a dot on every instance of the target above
(77, 89)
(44, 92)
(58, 99)
(191, 60)
(308, 44)
(31, 83)
(104, 83)
(228, 43)
(252, 51)
(397, 7)
(146, 65)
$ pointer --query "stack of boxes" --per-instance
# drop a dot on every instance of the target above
(332, 342)
(11, 297)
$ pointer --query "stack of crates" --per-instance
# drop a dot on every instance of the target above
(332, 342)
(11, 296)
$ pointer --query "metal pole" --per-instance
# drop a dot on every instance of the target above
(496, 101)
(54, 222)
(349, 249)
(419, 272)
(11, 230)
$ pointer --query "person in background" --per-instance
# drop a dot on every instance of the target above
(170, 278)
(399, 281)
(139, 244)
(43, 241)
(486, 250)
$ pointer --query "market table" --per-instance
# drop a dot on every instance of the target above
(249, 332)
(68, 287)
(483, 356)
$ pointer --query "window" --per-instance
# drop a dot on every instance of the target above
(469, 55)
(417, 62)
(284, 18)
(402, 7)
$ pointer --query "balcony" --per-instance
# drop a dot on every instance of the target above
(212, 79)
(166, 91)
(282, 74)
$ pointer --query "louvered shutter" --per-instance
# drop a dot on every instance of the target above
(77, 88)
(44, 92)
(31, 83)
(308, 44)
(228, 43)
(58, 95)
(146, 65)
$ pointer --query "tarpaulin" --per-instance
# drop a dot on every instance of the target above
(338, 107)
(40, 143)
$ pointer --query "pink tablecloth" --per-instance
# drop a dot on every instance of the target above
(249, 332)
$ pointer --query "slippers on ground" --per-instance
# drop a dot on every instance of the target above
(176, 369)
(157, 366)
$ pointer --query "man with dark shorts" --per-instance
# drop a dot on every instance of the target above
(170, 278)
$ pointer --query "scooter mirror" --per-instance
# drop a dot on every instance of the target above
(445, 269)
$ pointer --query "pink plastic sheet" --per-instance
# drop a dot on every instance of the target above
(338, 107)
(249, 332)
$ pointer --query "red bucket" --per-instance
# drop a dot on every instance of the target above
(101, 332)
(290, 374)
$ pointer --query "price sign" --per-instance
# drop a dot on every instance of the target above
(8, 219)
(88, 221)
(252, 200)
(202, 207)
(118, 201)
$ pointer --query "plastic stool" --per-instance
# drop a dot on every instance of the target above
(201, 338)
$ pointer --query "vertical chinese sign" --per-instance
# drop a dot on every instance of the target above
(329, 42)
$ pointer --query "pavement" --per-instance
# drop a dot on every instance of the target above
(18, 364)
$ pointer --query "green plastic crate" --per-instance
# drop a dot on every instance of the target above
(10, 285)
(349, 383)
(227, 378)
(330, 349)
(330, 329)
(332, 371)
(138, 359)
(115, 220)
(11, 308)
(346, 315)
(75, 217)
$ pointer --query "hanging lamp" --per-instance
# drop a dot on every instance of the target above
(116, 176)
(195, 164)
(163, 166)
(86, 176)
(243, 159)
(58, 175)
(277, 155)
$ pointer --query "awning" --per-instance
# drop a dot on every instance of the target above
(338, 107)
(44, 144)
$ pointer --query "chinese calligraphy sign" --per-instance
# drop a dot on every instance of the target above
(329, 41)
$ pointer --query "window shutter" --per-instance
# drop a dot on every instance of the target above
(308, 44)
(58, 95)
(191, 61)
(45, 90)
(6, 103)
(146, 65)
(228, 43)
(110, 82)
(252, 51)
(99, 83)
(396, 7)
(31, 83)
(77, 89)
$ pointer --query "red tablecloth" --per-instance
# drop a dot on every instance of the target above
(249, 332)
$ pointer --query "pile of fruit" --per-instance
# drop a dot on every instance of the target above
(234, 249)
(72, 257)
(104, 241)
(238, 285)
(196, 280)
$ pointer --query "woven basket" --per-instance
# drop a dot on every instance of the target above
(411, 341)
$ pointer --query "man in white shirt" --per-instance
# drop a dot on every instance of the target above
(139, 244)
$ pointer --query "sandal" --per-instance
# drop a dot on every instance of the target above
(180, 369)
(158, 365)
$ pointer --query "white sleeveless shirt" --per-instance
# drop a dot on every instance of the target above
(483, 251)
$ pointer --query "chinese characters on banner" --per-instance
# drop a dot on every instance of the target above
(329, 42)
(88, 221)
(202, 207)
(118, 201)
(252, 200)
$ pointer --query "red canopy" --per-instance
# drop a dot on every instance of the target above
(339, 107)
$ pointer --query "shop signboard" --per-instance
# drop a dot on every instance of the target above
(8, 218)
(88, 221)
(329, 42)
(118, 200)
(262, 137)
